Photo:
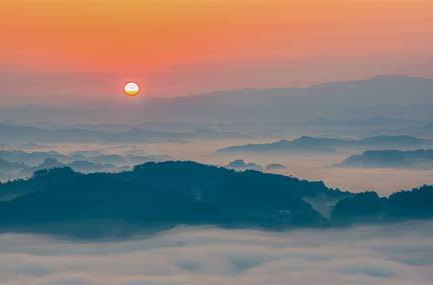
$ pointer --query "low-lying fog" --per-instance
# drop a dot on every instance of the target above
(398, 254)
(310, 167)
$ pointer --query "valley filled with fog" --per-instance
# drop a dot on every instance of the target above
(216, 142)
(396, 254)
(310, 166)
(317, 167)
(239, 200)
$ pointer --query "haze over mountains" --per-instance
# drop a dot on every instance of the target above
(389, 96)
(21, 164)
(75, 179)
(216, 142)
(20, 133)
(314, 145)
(366, 115)
(32, 134)
(416, 159)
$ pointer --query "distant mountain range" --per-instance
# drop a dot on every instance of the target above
(19, 164)
(240, 164)
(157, 196)
(417, 159)
(366, 126)
(8, 167)
(37, 157)
(424, 130)
(389, 95)
(329, 145)
(12, 133)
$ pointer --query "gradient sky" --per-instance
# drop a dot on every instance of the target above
(57, 52)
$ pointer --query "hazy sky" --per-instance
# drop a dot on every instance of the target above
(69, 51)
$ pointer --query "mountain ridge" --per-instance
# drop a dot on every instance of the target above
(156, 196)
(421, 159)
(377, 96)
(308, 144)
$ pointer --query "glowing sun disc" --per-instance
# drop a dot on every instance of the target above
(131, 88)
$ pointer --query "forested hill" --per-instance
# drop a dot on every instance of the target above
(154, 196)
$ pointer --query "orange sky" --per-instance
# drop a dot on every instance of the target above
(67, 51)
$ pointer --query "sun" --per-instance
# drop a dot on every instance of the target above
(131, 88)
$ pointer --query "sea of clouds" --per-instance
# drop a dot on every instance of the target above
(380, 255)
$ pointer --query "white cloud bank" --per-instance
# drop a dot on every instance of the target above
(397, 254)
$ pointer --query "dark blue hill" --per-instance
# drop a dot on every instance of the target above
(156, 195)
